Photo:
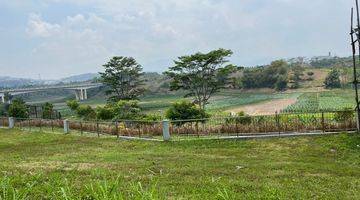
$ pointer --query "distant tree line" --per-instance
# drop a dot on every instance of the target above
(273, 76)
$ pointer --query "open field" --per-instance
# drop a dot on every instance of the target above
(54, 166)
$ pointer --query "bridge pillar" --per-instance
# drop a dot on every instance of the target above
(77, 95)
(85, 94)
(81, 94)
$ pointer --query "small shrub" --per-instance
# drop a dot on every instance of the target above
(86, 112)
(128, 110)
(73, 104)
(48, 110)
(152, 117)
(185, 110)
(104, 113)
(18, 109)
(240, 118)
(310, 73)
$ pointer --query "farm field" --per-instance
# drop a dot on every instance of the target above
(323, 101)
(253, 103)
(225, 100)
(55, 166)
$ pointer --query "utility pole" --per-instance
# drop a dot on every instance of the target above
(355, 43)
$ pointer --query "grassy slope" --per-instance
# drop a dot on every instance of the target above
(62, 166)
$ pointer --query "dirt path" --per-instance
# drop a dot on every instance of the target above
(265, 108)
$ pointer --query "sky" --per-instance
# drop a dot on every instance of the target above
(58, 38)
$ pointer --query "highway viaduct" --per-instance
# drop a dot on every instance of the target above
(79, 89)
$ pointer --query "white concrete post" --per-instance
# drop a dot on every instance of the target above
(66, 126)
(77, 95)
(11, 122)
(166, 130)
(2, 98)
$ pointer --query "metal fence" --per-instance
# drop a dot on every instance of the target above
(262, 125)
(125, 128)
(212, 127)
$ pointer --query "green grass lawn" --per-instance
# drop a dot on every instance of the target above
(55, 166)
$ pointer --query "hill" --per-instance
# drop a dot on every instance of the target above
(11, 82)
(79, 78)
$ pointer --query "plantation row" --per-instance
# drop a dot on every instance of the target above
(322, 101)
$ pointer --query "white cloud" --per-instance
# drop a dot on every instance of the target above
(82, 34)
(39, 28)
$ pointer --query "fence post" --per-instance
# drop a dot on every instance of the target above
(166, 130)
(97, 129)
(117, 129)
(40, 124)
(323, 122)
(277, 119)
(81, 128)
(66, 126)
(11, 122)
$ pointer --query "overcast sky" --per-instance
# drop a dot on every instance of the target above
(57, 38)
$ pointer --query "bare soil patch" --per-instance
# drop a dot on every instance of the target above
(265, 108)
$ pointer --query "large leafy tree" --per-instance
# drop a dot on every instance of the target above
(333, 79)
(123, 77)
(201, 74)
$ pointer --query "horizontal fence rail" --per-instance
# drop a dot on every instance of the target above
(213, 127)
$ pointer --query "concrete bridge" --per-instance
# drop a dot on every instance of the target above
(79, 89)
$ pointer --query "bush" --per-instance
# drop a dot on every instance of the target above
(48, 110)
(73, 104)
(185, 110)
(152, 117)
(104, 113)
(18, 109)
(240, 118)
(86, 112)
(128, 110)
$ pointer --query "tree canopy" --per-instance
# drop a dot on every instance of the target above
(18, 109)
(333, 79)
(123, 77)
(201, 74)
(273, 76)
